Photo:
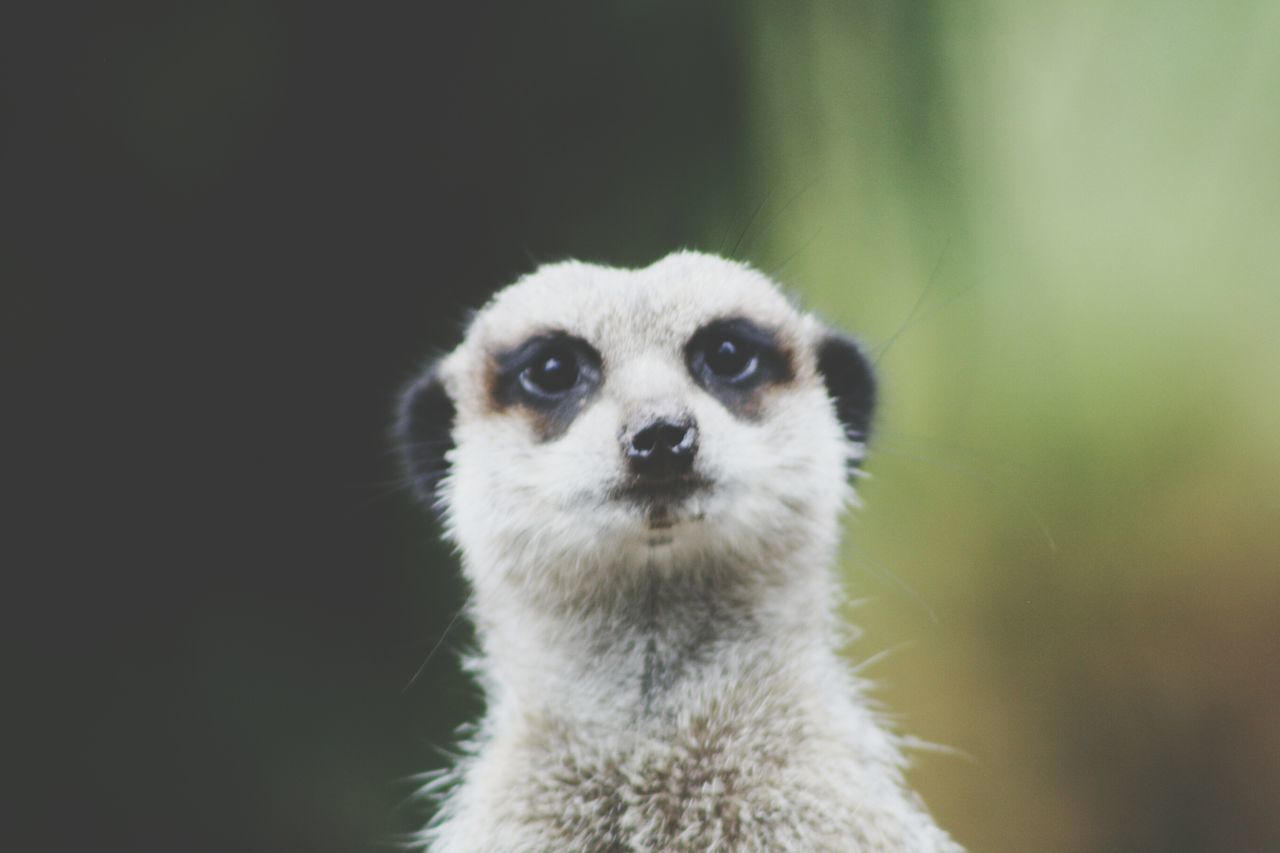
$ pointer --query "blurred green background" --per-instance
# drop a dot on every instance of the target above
(239, 227)
(1070, 534)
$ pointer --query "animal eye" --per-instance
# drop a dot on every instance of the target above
(552, 372)
(730, 358)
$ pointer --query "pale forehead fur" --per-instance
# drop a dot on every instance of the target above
(622, 311)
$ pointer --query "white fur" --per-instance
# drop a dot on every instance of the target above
(756, 736)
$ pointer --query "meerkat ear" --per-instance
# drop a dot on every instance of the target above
(424, 432)
(847, 372)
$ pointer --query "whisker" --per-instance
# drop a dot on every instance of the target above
(879, 657)
(901, 444)
(416, 445)
(1009, 494)
(888, 575)
(751, 219)
(440, 642)
(389, 488)
(796, 196)
(880, 350)
(791, 257)
(377, 497)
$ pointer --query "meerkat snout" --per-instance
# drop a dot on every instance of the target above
(663, 449)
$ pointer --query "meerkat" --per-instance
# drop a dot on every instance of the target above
(644, 472)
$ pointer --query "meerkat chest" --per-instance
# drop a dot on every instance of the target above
(705, 784)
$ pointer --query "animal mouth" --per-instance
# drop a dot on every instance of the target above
(662, 501)
(665, 491)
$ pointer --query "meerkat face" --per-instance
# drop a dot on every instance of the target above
(597, 418)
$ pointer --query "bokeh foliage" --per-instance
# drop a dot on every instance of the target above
(1071, 520)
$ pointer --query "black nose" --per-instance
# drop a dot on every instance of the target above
(662, 450)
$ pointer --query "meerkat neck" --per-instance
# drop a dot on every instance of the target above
(668, 641)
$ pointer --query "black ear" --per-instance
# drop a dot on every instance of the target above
(424, 431)
(846, 370)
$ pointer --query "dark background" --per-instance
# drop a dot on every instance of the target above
(232, 231)
(236, 230)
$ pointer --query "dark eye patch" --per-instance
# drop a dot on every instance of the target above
(552, 375)
(733, 359)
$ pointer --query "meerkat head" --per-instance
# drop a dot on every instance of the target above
(599, 421)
